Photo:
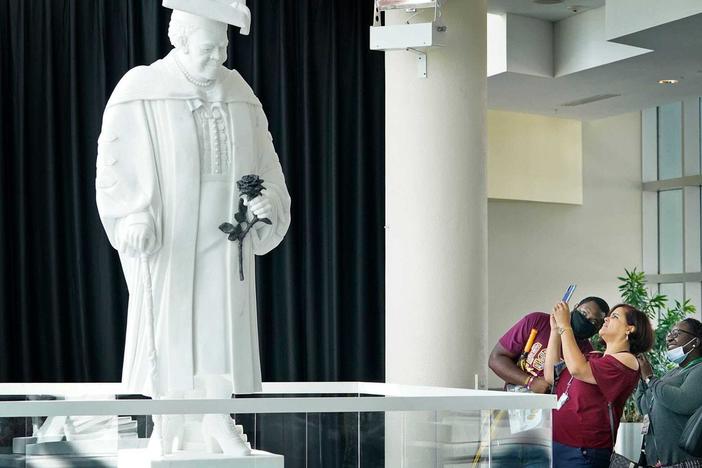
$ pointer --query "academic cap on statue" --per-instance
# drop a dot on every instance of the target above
(234, 12)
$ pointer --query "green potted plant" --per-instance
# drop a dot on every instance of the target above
(633, 291)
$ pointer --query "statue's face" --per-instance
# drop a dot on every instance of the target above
(205, 52)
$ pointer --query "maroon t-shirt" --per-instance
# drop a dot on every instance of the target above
(516, 338)
(583, 421)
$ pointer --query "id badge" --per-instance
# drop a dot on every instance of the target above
(561, 401)
(646, 424)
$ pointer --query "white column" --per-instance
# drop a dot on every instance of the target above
(436, 207)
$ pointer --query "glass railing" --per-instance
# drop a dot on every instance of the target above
(305, 425)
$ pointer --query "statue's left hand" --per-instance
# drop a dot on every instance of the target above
(261, 206)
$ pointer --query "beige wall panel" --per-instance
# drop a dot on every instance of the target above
(534, 158)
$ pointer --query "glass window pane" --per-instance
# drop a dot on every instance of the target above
(670, 231)
(670, 141)
(674, 291)
(693, 293)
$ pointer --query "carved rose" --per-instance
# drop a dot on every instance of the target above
(250, 185)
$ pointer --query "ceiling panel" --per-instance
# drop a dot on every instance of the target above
(675, 55)
(547, 12)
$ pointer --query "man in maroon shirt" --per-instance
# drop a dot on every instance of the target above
(518, 364)
(518, 358)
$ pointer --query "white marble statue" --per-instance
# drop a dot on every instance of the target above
(176, 136)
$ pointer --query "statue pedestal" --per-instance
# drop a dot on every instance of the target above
(19, 444)
(140, 458)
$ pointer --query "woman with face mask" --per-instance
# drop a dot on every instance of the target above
(592, 388)
(668, 401)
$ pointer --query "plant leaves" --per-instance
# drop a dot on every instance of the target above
(238, 230)
(226, 228)
(240, 217)
(266, 221)
(232, 237)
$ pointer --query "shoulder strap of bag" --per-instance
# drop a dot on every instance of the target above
(642, 457)
(643, 439)
(651, 431)
(611, 424)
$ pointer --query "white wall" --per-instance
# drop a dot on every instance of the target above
(630, 16)
(529, 46)
(580, 44)
(519, 44)
(537, 249)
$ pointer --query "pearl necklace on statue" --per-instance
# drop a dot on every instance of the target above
(192, 79)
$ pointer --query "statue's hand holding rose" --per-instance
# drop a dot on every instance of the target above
(254, 207)
(260, 207)
(253, 193)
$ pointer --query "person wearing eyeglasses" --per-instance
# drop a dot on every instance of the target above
(518, 358)
(668, 401)
(593, 388)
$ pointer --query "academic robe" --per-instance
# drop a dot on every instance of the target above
(148, 172)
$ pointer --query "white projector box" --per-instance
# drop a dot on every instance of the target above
(404, 36)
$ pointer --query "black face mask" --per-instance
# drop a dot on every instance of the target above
(582, 327)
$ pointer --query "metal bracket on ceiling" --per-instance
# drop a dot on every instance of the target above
(421, 62)
(414, 37)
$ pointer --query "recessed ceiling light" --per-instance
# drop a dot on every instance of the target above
(668, 82)
(548, 2)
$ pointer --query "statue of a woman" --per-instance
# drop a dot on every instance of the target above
(176, 137)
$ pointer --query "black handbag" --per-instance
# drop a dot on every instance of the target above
(620, 461)
(691, 438)
(696, 463)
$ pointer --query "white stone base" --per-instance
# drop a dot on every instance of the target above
(54, 461)
(19, 444)
(139, 458)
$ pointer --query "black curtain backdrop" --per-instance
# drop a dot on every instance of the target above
(63, 300)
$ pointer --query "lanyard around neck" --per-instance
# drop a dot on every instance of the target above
(692, 363)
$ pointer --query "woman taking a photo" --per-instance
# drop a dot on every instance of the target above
(670, 400)
(593, 386)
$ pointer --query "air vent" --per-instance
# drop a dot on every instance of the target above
(588, 100)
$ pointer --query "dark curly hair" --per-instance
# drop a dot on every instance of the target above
(695, 326)
(642, 338)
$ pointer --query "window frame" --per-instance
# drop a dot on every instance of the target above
(690, 183)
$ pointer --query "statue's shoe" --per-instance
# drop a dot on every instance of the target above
(166, 436)
(222, 435)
